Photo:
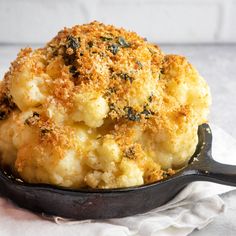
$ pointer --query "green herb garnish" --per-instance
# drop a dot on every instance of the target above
(105, 38)
(73, 42)
(126, 77)
(151, 51)
(140, 66)
(73, 69)
(150, 98)
(131, 114)
(74, 72)
(69, 59)
(147, 113)
(113, 48)
(123, 43)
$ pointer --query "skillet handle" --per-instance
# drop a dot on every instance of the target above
(204, 167)
(213, 171)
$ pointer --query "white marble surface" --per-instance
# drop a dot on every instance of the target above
(217, 64)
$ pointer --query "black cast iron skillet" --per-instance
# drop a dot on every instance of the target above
(110, 203)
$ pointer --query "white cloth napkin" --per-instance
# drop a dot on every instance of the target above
(193, 208)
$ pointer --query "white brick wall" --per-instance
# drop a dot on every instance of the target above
(168, 21)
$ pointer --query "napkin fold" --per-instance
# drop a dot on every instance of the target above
(193, 208)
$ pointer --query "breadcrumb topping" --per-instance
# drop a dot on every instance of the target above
(100, 106)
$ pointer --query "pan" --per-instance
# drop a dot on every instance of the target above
(113, 203)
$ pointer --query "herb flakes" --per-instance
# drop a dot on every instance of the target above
(126, 77)
(73, 69)
(139, 64)
(69, 59)
(165, 174)
(122, 42)
(105, 38)
(147, 113)
(150, 98)
(73, 42)
(131, 114)
(151, 51)
(74, 72)
(113, 48)
(112, 90)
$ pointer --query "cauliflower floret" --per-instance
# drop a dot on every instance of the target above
(69, 170)
(93, 178)
(54, 166)
(132, 175)
(56, 112)
(30, 94)
(108, 152)
(90, 110)
(27, 88)
(105, 160)
(7, 150)
(105, 155)
(187, 98)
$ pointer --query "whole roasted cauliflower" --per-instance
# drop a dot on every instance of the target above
(99, 107)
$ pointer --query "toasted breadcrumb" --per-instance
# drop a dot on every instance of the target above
(102, 107)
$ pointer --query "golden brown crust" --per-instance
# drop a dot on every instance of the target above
(147, 98)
